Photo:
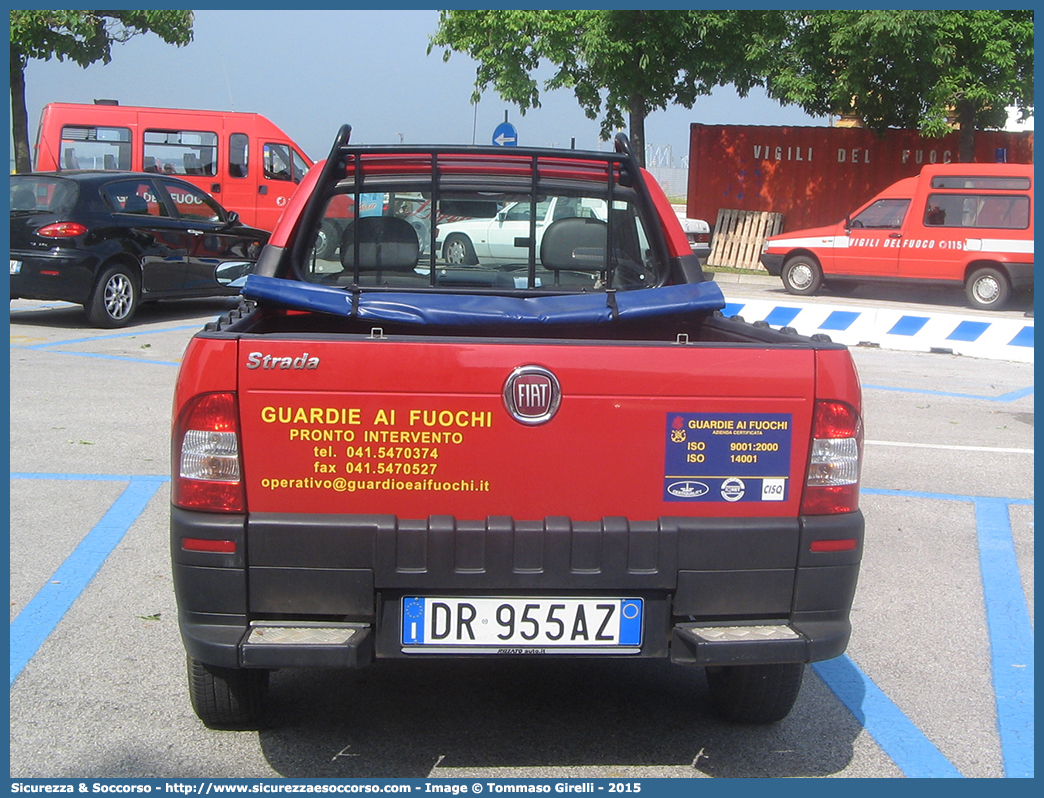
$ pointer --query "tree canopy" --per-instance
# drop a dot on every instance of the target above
(83, 37)
(911, 69)
(619, 62)
(920, 70)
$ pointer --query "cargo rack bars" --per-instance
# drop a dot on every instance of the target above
(543, 165)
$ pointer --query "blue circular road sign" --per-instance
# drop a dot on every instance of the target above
(505, 135)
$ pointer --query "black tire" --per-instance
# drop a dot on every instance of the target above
(988, 288)
(115, 297)
(754, 693)
(459, 250)
(801, 275)
(326, 241)
(227, 697)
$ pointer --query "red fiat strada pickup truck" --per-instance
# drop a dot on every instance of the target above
(557, 448)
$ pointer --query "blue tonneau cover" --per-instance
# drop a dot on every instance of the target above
(456, 310)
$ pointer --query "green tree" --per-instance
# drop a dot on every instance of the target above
(616, 62)
(83, 37)
(911, 69)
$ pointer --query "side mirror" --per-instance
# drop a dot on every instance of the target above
(232, 220)
(233, 273)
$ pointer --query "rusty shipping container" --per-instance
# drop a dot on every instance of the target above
(815, 175)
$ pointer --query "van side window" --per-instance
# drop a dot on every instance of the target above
(238, 155)
(1010, 212)
(980, 182)
(885, 214)
(85, 147)
(277, 162)
(181, 152)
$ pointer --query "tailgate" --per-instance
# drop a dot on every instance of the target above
(416, 428)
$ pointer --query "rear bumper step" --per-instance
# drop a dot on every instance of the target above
(704, 644)
(288, 645)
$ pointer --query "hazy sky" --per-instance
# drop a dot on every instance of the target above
(311, 71)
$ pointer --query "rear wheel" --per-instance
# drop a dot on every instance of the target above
(801, 275)
(227, 697)
(326, 241)
(458, 249)
(114, 299)
(754, 693)
(988, 288)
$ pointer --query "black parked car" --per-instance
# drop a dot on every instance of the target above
(110, 240)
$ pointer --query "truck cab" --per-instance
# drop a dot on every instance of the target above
(968, 225)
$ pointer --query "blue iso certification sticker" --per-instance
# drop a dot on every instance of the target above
(727, 457)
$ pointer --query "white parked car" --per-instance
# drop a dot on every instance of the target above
(697, 231)
(504, 236)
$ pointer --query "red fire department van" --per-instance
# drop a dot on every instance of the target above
(247, 163)
(968, 224)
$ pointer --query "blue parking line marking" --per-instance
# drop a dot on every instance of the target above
(41, 615)
(782, 316)
(908, 325)
(951, 497)
(93, 477)
(1011, 636)
(120, 357)
(732, 309)
(1024, 338)
(110, 336)
(839, 320)
(968, 331)
(58, 303)
(1011, 396)
(1007, 621)
(899, 738)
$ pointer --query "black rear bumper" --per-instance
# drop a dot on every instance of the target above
(65, 275)
(1021, 275)
(349, 572)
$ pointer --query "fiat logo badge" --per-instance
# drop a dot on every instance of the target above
(532, 395)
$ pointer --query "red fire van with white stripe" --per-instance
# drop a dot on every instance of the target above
(243, 160)
(968, 224)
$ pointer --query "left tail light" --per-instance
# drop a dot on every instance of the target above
(205, 456)
(832, 483)
(62, 230)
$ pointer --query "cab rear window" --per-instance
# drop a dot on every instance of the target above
(506, 240)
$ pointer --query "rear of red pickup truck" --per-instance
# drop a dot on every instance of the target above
(361, 473)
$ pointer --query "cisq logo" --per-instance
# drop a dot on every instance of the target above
(532, 395)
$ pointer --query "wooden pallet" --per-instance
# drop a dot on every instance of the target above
(739, 236)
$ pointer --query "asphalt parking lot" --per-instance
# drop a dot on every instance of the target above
(937, 681)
